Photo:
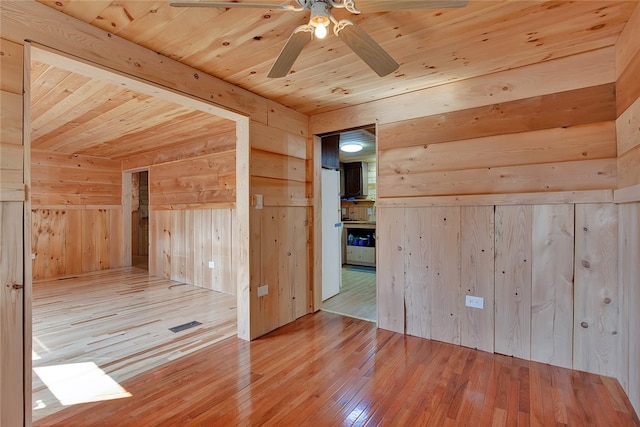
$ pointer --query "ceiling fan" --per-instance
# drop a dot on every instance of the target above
(354, 37)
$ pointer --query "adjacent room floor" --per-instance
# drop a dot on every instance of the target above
(95, 331)
(357, 297)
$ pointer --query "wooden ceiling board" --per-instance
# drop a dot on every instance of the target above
(73, 114)
(432, 46)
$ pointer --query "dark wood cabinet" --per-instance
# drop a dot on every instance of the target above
(355, 179)
(331, 152)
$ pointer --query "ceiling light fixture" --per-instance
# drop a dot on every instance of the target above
(320, 18)
(351, 148)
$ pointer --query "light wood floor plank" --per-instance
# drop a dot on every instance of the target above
(357, 297)
(328, 370)
(120, 319)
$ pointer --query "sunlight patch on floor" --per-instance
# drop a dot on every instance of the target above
(80, 383)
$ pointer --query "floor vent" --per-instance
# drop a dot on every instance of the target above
(185, 326)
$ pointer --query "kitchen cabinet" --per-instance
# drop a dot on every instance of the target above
(355, 179)
(359, 243)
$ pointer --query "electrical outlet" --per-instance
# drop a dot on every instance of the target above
(369, 211)
(259, 202)
(263, 290)
(475, 302)
(212, 264)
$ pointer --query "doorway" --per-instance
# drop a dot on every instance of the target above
(352, 153)
(140, 219)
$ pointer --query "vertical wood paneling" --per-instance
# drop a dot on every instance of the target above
(477, 276)
(390, 278)
(115, 238)
(513, 281)
(552, 285)
(417, 287)
(629, 281)
(596, 304)
(11, 313)
(444, 273)
(73, 242)
(178, 246)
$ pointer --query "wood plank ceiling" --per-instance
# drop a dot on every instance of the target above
(433, 47)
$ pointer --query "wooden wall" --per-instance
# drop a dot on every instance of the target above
(281, 231)
(503, 186)
(12, 212)
(628, 197)
(184, 241)
(77, 222)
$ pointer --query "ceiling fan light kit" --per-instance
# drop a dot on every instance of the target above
(356, 38)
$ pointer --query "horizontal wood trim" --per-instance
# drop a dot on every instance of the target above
(215, 144)
(552, 197)
(221, 205)
(627, 194)
(277, 141)
(271, 165)
(10, 118)
(576, 107)
(55, 160)
(627, 46)
(596, 68)
(194, 198)
(77, 207)
(629, 168)
(628, 128)
(584, 142)
(566, 176)
(11, 67)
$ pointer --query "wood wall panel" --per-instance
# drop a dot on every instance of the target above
(477, 275)
(549, 177)
(586, 142)
(72, 241)
(181, 151)
(597, 306)
(277, 166)
(390, 278)
(11, 118)
(629, 282)
(628, 128)
(558, 110)
(552, 284)
(201, 180)
(279, 261)
(11, 313)
(184, 241)
(629, 168)
(61, 179)
(418, 277)
(11, 61)
(513, 280)
(548, 77)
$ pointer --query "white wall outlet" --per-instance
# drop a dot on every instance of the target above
(263, 290)
(344, 211)
(369, 211)
(33, 256)
(475, 302)
(259, 203)
(212, 264)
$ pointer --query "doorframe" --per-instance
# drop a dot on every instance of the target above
(241, 251)
(127, 224)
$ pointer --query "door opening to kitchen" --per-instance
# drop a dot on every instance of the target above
(349, 223)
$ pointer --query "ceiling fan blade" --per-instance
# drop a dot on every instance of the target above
(366, 48)
(290, 52)
(369, 6)
(272, 6)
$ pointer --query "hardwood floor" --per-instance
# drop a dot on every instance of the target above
(329, 370)
(117, 320)
(357, 297)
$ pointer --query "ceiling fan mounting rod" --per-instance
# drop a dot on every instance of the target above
(350, 5)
